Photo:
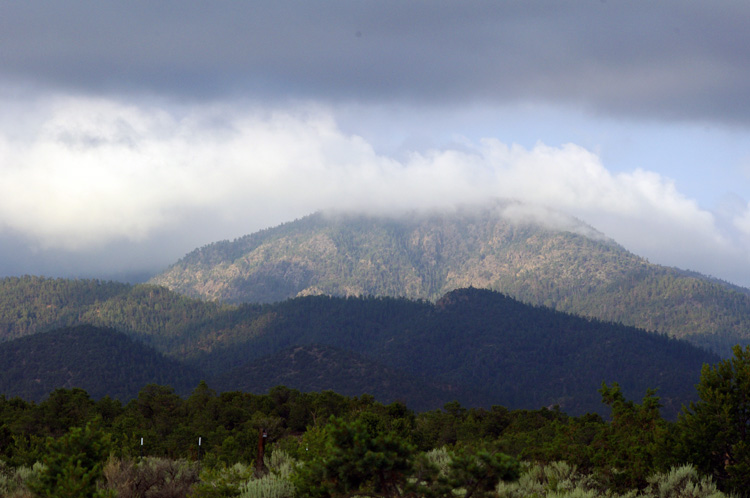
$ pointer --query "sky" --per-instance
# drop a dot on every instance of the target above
(134, 132)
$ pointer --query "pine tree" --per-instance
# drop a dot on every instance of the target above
(715, 432)
(74, 464)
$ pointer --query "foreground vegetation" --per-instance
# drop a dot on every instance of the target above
(323, 444)
(155, 477)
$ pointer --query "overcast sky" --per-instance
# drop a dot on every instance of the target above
(134, 132)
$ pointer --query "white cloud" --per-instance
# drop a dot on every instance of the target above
(96, 171)
(741, 221)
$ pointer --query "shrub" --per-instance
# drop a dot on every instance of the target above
(151, 478)
(269, 486)
(477, 474)
(280, 463)
(222, 482)
(440, 458)
(682, 482)
(13, 481)
(73, 465)
(558, 480)
(553, 479)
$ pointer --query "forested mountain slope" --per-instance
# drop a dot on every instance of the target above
(484, 345)
(477, 346)
(317, 368)
(101, 361)
(547, 259)
(155, 315)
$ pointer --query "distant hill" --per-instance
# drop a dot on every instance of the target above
(477, 346)
(163, 319)
(539, 257)
(35, 304)
(101, 361)
(489, 348)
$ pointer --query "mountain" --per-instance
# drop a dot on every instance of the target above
(540, 257)
(101, 361)
(165, 320)
(487, 348)
(418, 255)
(476, 346)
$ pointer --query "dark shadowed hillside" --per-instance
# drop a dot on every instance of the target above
(320, 368)
(486, 347)
(476, 346)
(101, 361)
(539, 257)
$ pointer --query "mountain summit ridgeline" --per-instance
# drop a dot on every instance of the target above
(420, 255)
(536, 255)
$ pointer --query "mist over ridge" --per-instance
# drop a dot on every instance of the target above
(101, 187)
(514, 211)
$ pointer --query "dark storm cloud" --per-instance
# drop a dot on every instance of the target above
(666, 59)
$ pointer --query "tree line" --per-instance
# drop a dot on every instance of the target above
(385, 445)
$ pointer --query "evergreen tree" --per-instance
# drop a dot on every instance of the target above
(478, 474)
(631, 447)
(74, 464)
(714, 431)
(355, 462)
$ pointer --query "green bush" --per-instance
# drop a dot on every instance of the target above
(222, 482)
(558, 480)
(269, 486)
(682, 482)
(477, 474)
(13, 480)
(280, 463)
(238, 480)
(440, 458)
(74, 464)
(553, 479)
(151, 477)
(352, 461)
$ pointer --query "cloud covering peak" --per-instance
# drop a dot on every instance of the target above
(96, 171)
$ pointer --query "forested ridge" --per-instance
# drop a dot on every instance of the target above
(104, 362)
(565, 265)
(154, 314)
(476, 346)
(486, 343)
(317, 367)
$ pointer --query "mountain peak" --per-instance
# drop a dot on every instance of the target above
(530, 253)
(419, 254)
